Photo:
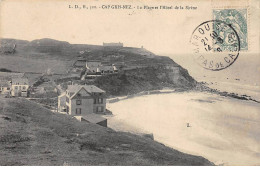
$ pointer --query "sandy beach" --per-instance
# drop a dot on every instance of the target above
(224, 130)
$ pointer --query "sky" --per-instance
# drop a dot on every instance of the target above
(163, 32)
(160, 31)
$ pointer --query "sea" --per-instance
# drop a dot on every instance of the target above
(242, 77)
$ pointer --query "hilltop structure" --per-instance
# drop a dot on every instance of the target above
(115, 45)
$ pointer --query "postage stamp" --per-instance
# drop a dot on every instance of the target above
(216, 45)
(237, 18)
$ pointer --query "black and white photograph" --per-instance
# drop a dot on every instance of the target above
(129, 83)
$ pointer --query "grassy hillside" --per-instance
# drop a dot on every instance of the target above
(46, 53)
(39, 65)
(63, 50)
(32, 135)
(142, 70)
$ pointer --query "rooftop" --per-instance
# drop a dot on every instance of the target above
(4, 83)
(21, 81)
(93, 118)
(106, 68)
(88, 88)
(93, 60)
(10, 75)
(80, 63)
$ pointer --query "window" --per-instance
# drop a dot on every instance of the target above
(8, 88)
(78, 102)
(100, 100)
(79, 94)
(24, 87)
(78, 110)
(100, 109)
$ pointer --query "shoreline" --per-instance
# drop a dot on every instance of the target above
(143, 93)
(225, 93)
(186, 107)
(199, 88)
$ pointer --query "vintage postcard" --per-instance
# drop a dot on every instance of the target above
(129, 83)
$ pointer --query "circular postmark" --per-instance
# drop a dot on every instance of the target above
(215, 44)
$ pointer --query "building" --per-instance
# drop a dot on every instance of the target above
(93, 66)
(80, 63)
(96, 68)
(119, 44)
(108, 69)
(82, 100)
(93, 118)
(13, 84)
(5, 87)
(20, 87)
(85, 103)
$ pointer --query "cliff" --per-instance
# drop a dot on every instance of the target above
(145, 79)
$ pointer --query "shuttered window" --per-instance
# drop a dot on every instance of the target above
(78, 110)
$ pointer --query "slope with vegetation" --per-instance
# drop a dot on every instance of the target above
(145, 79)
(33, 135)
(133, 81)
(42, 54)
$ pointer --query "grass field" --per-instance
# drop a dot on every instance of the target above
(35, 65)
(33, 135)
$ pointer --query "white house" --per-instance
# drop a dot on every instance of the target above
(82, 100)
(20, 87)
